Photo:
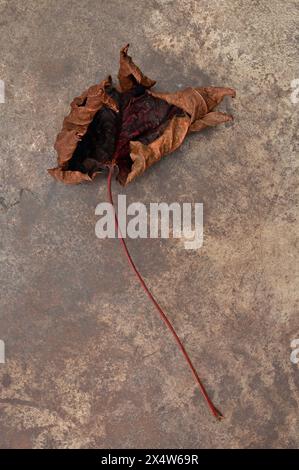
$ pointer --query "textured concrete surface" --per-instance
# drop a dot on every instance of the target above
(88, 362)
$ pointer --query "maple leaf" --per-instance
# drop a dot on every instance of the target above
(130, 126)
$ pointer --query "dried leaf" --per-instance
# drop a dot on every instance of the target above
(130, 126)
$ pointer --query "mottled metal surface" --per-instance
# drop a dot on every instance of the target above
(88, 362)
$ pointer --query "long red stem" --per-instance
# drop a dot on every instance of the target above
(163, 316)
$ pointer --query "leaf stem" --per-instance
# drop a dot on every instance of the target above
(163, 316)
